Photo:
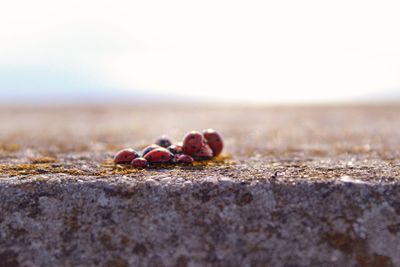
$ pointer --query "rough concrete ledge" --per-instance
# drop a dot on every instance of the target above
(215, 221)
(306, 186)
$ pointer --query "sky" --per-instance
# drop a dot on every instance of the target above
(256, 51)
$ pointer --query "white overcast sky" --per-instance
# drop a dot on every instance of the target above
(234, 50)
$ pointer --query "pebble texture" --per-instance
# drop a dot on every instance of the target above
(305, 187)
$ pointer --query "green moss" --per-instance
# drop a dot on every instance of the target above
(39, 160)
(108, 167)
(9, 148)
(37, 168)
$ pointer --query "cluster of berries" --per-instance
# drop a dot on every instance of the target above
(195, 146)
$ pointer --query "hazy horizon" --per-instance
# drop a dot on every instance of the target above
(259, 51)
(104, 96)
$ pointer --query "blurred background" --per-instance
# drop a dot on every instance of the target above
(280, 80)
(192, 51)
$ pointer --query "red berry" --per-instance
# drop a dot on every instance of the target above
(185, 159)
(139, 163)
(125, 156)
(192, 142)
(205, 153)
(214, 140)
(148, 149)
(160, 155)
(163, 141)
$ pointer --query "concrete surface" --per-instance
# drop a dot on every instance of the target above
(298, 186)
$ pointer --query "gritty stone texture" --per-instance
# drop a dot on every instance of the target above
(316, 186)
